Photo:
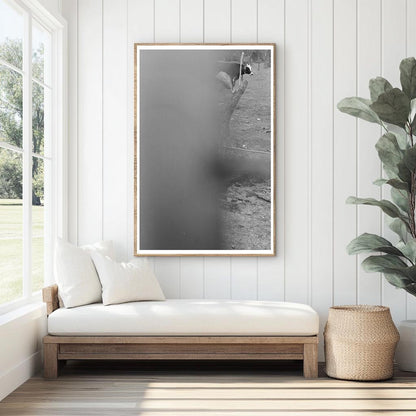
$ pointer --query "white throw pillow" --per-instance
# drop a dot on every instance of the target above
(104, 247)
(75, 273)
(126, 282)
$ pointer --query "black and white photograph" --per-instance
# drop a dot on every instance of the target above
(204, 150)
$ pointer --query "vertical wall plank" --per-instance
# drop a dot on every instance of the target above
(271, 29)
(168, 273)
(192, 21)
(217, 20)
(244, 278)
(140, 16)
(244, 21)
(90, 184)
(369, 168)
(321, 166)
(411, 51)
(192, 278)
(140, 21)
(345, 151)
(244, 29)
(70, 11)
(411, 28)
(217, 27)
(217, 278)
(167, 15)
(167, 29)
(114, 124)
(191, 31)
(393, 51)
(296, 152)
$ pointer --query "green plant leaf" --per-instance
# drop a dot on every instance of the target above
(397, 280)
(395, 270)
(410, 272)
(408, 249)
(380, 263)
(378, 86)
(395, 183)
(411, 289)
(398, 184)
(414, 126)
(391, 174)
(366, 243)
(359, 107)
(404, 173)
(412, 116)
(400, 228)
(409, 158)
(408, 77)
(380, 182)
(412, 110)
(400, 198)
(388, 207)
(389, 151)
(402, 139)
(392, 107)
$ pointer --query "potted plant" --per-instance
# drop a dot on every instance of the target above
(394, 109)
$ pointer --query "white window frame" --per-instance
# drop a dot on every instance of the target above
(58, 227)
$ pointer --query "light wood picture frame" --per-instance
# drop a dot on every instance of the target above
(205, 150)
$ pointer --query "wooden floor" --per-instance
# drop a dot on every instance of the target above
(226, 389)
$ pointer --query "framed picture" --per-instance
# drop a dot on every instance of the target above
(204, 150)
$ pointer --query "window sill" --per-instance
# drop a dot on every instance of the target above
(35, 307)
(19, 303)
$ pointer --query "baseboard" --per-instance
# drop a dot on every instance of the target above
(11, 379)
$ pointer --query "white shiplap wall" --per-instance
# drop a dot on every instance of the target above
(326, 50)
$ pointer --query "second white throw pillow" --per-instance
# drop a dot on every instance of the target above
(126, 282)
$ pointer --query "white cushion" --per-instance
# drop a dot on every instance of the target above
(187, 317)
(75, 273)
(103, 247)
(126, 282)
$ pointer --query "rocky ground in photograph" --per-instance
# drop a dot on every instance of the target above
(246, 203)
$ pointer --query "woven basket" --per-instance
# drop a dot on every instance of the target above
(360, 342)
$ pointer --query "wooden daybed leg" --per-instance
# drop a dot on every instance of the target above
(50, 360)
(310, 360)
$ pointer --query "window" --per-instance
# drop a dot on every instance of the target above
(31, 136)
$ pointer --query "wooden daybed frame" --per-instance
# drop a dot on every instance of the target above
(58, 349)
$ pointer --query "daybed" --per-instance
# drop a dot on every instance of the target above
(181, 329)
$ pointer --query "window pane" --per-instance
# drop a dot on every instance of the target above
(41, 46)
(11, 34)
(11, 226)
(38, 118)
(38, 229)
(11, 107)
